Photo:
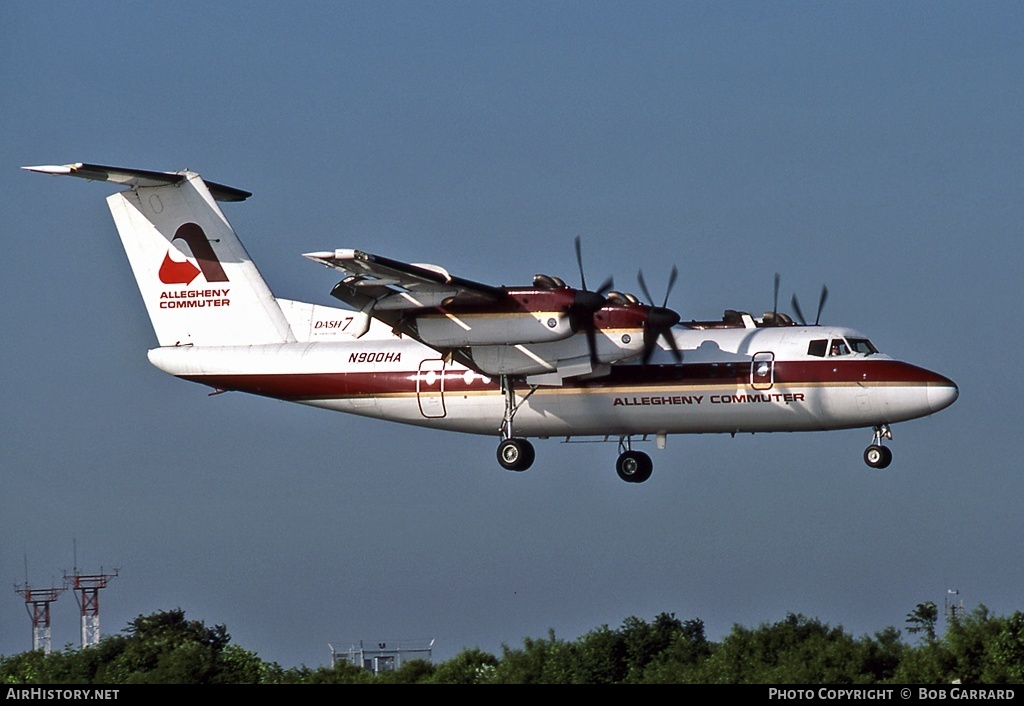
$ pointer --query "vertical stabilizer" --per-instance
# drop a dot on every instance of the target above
(197, 281)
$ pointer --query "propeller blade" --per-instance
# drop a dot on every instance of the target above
(671, 283)
(605, 287)
(672, 345)
(592, 345)
(660, 321)
(673, 276)
(579, 262)
(775, 306)
(650, 343)
(643, 286)
(821, 306)
(821, 303)
(796, 309)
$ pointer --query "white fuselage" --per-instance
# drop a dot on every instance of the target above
(729, 380)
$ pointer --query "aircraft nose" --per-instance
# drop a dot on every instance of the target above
(942, 395)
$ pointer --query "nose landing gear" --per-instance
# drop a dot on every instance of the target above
(876, 455)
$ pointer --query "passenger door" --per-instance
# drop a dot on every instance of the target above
(430, 388)
(762, 371)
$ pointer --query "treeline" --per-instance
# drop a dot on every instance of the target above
(978, 647)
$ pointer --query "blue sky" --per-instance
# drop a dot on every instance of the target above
(874, 146)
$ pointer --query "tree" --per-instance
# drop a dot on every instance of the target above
(414, 671)
(1008, 649)
(923, 619)
(340, 673)
(165, 648)
(683, 660)
(472, 666)
(797, 650)
(881, 655)
(644, 642)
(600, 657)
(539, 661)
(969, 641)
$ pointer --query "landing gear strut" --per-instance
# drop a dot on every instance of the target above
(514, 454)
(876, 455)
(632, 466)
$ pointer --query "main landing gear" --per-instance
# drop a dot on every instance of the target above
(514, 454)
(517, 454)
(876, 455)
(632, 466)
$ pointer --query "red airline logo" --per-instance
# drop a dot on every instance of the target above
(174, 272)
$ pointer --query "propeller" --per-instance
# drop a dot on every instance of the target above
(585, 304)
(608, 283)
(660, 319)
(775, 305)
(821, 305)
(773, 317)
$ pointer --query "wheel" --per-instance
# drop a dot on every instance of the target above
(634, 466)
(515, 454)
(878, 456)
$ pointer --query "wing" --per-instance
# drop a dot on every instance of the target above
(548, 329)
(398, 286)
(397, 292)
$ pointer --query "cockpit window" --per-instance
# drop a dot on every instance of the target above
(862, 345)
(838, 347)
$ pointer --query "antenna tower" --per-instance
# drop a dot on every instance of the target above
(87, 593)
(39, 599)
(954, 604)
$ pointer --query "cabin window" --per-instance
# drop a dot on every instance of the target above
(726, 370)
(862, 345)
(838, 347)
(817, 348)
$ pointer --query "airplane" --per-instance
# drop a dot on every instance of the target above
(420, 346)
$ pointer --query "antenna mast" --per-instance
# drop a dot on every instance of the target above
(39, 599)
(87, 593)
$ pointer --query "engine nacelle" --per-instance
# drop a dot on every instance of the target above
(462, 329)
(544, 358)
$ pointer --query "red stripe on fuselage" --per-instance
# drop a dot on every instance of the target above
(342, 385)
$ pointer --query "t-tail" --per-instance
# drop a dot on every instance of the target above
(198, 283)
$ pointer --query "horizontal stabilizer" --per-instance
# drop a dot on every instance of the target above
(136, 178)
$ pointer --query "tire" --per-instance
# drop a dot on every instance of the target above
(515, 454)
(634, 466)
(878, 456)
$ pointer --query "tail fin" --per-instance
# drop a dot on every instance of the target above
(197, 281)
